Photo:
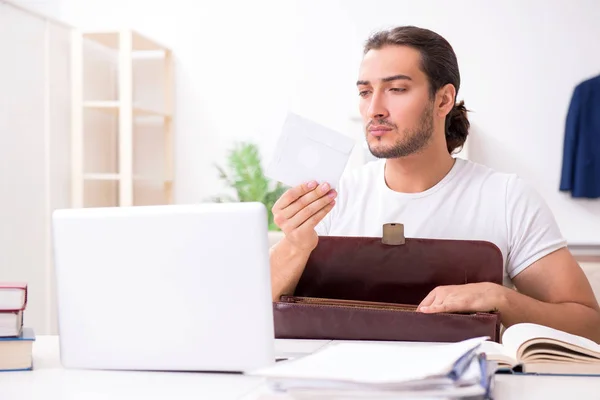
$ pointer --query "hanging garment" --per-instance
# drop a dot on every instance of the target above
(581, 154)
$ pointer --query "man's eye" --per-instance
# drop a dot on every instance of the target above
(397, 89)
(363, 93)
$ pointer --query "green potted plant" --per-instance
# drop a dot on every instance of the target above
(244, 174)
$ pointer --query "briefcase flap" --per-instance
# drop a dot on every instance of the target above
(366, 268)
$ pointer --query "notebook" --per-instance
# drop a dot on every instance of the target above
(11, 323)
(16, 353)
(13, 300)
(13, 296)
(537, 349)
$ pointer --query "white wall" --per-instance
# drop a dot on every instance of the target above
(35, 135)
(241, 63)
(42, 7)
(34, 152)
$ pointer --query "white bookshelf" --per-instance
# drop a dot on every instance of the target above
(131, 112)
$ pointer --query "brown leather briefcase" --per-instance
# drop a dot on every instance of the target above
(368, 288)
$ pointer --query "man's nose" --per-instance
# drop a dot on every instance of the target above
(377, 108)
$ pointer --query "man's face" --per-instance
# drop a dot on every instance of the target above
(394, 102)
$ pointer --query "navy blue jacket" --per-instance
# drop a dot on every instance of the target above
(581, 154)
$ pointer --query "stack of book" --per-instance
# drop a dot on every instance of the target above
(16, 339)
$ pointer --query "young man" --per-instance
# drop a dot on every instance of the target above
(408, 81)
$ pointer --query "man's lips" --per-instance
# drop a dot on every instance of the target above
(379, 130)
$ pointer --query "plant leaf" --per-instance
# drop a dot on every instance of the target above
(245, 175)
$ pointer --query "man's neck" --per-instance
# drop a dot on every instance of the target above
(418, 172)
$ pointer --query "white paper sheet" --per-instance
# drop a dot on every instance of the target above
(309, 151)
(374, 363)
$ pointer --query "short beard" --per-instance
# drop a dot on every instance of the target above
(413, 141)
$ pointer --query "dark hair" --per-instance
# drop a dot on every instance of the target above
(438, 62)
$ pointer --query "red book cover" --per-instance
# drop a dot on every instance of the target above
(13, 285)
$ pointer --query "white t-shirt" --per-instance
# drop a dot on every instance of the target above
(471, 202)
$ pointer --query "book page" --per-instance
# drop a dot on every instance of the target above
(373, 363)
(515, 336)
(11, 298)
(497, 352)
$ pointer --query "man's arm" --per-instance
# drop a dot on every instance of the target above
(287, 265)
(552, 291)
(297, 213)
(555, 292)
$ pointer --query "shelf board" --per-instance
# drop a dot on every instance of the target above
(111, 39)
(101, 177)
(113, 107)
(139, 178)
(116, 177)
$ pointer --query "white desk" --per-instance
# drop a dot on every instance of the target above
(49, 381)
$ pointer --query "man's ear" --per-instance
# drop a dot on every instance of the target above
(445, 100)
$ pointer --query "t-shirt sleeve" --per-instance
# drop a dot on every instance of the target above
(326, 225)
(322, 227)
(532, 229)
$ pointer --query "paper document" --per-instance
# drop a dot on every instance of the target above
(378, 364)
(308, 151)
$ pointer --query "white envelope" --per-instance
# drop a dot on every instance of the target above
(309, 151)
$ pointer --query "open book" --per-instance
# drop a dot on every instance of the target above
(531, 348)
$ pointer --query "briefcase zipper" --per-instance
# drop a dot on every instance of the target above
(349, 303)
(360, 304)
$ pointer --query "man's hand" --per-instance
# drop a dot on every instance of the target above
(300, 209)
(472, 297)
(552, 292)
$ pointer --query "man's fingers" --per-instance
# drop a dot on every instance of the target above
(313, 221)
(293, 194)
(311, 210)
(460, 304)
(437, 308)
(428, 300)
(307, 199)
(466, 298)
(439, 303)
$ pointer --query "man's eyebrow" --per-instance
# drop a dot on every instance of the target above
(387, 79)
(397, 77)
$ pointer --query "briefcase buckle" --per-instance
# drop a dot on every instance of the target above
(393, 234)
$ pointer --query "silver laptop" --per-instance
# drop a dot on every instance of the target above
(181, 287)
